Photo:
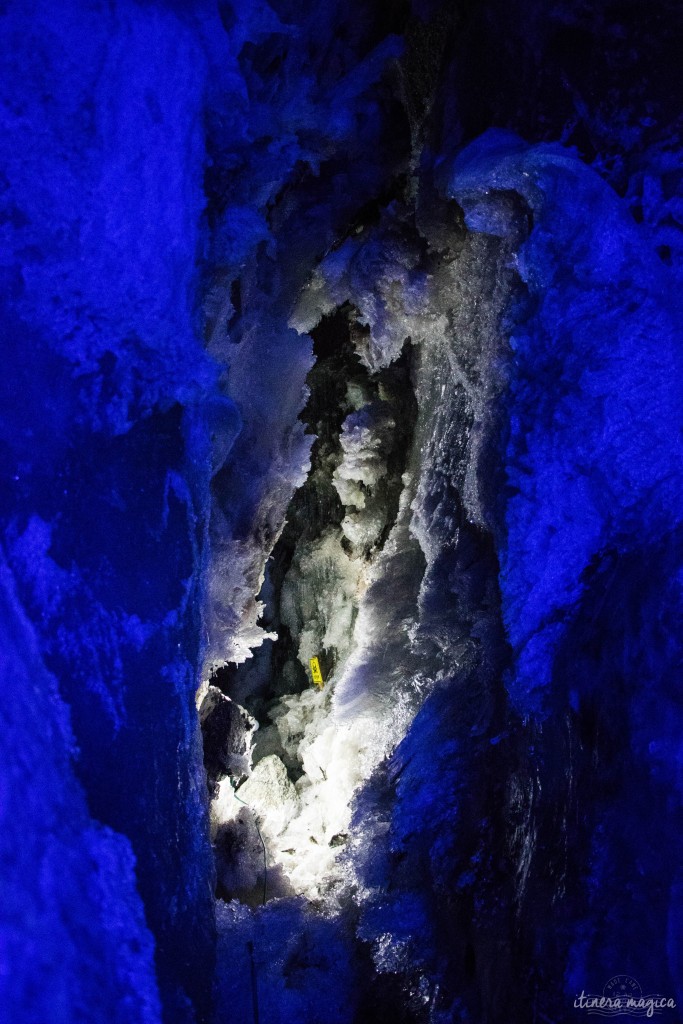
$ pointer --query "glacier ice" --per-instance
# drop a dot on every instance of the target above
(365, 587)
(301, 358)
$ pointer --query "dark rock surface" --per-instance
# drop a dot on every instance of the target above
(227, 733)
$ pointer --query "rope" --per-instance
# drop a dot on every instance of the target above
(265, 855)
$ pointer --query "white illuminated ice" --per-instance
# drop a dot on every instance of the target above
(270, 794)
(305, 824)
(320, 595)
(372, 602)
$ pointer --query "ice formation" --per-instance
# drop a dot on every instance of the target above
(364, 588)
(342, 330)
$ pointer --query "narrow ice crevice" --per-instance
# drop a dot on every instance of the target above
(366, 574)
(415, 622)
(307, 763)
(339, 744)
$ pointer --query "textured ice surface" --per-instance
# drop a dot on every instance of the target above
(304, 160)
(366, 437)
(303, 966)
(321, 610)
(588, 461)
(513, 818)
(75, 942)
(378, 600)
(270, 793)
(106, 398)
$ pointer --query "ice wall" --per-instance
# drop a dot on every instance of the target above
(531, 788)
(591, 468)
(104, 458)
(75, 942)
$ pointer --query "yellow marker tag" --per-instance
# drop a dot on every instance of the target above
(316, 673)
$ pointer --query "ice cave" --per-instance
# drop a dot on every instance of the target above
(341, 511)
